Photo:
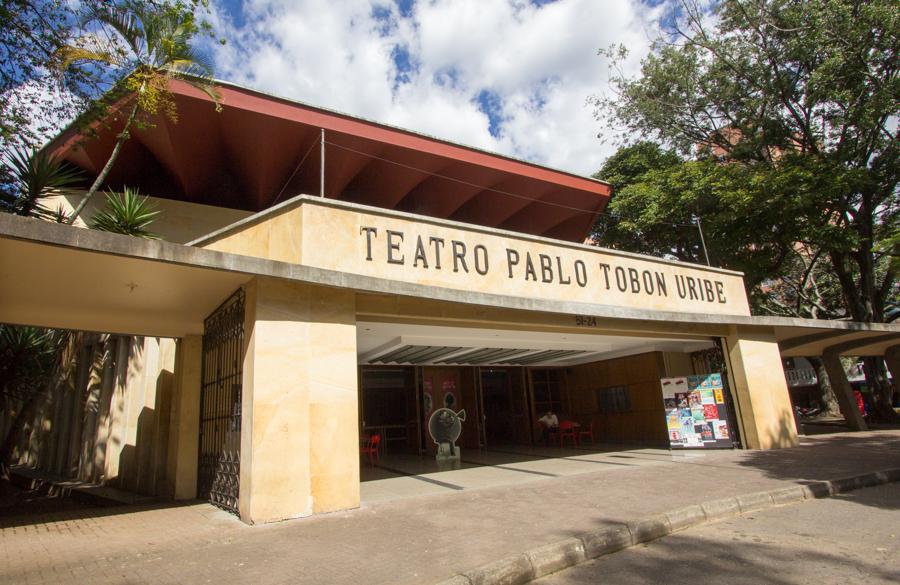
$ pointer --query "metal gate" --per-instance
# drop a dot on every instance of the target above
(220, 404)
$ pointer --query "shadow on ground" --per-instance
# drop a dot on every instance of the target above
(691, 559)
(833, 456)
(25, 507)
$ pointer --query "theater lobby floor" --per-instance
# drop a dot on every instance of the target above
(396, 476)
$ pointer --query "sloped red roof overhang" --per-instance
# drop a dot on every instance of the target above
(261, 149)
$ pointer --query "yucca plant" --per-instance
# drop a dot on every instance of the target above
(149, 45)
(128, 214)
(34, 175)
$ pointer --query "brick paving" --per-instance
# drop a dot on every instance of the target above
(416, 540)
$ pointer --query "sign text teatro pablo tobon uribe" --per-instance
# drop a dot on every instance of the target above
(457, 256)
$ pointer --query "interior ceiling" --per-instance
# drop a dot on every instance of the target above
(260, 150)
(404, 344)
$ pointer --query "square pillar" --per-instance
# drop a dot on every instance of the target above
(760, 389)
(299, 435)
(184, 426)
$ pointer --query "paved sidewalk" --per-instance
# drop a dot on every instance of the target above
(423, 539)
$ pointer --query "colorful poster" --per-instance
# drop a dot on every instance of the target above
(672, 386)
(697, 414)
(450, 398)
(693, 441)
(673, 422)
(720, 428)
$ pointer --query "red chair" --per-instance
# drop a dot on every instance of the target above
(371, 448)
(587, 433)
(567, 430)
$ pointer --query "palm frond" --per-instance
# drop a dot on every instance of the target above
(68, 55)
(123, 20)
(36, 174)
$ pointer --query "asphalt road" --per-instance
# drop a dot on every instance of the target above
(849, 539)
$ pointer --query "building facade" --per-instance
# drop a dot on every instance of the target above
(270, 329)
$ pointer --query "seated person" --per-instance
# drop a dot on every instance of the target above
(548, 422)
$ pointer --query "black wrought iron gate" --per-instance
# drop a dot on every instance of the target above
(220, 404)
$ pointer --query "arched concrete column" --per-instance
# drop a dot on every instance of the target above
(842, 390)
(760, 389)
(892, 359)
(831, 358)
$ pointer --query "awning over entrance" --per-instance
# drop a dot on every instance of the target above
(72, 278)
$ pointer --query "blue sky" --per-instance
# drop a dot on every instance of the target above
(511, 76)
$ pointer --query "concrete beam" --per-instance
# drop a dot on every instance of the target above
(795, 342)
(847, 347)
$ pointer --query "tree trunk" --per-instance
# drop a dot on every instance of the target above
(123, 136)
(827, 398)
(876, 379)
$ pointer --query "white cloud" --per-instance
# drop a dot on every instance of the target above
(538, 64)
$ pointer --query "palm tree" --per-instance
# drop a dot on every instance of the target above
(149, 45)
(33, 175)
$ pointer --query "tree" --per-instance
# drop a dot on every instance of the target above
(659, 195)
(31, 35)
(35, 175)
(149, 46)
(799, 97)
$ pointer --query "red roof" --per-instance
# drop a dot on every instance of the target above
(261, 149)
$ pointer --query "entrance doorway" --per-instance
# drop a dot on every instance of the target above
(495, 392)
(388, 407)
(504, 402)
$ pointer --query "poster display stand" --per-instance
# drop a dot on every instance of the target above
(696, 413)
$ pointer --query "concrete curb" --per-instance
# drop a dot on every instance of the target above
(539, 562)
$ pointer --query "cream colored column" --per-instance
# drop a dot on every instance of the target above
(760, 389)
(299, 443)
(184, 429)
